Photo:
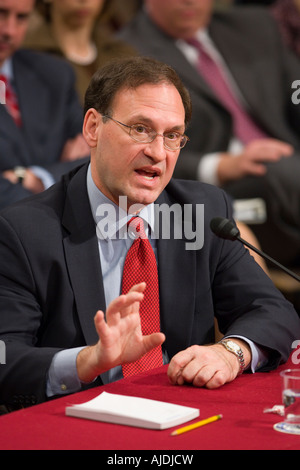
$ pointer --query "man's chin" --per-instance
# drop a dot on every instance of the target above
(138, 201)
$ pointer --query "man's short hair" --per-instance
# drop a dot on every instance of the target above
(130, 73)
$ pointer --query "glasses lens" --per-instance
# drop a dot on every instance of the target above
(175, 143)
(172, 141)
(142, 133)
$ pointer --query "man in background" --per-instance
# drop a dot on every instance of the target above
(244, 133)
(41, 119)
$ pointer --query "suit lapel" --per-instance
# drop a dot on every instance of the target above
(187, 73)
(82, 255)
(176, 270)
(164, 47)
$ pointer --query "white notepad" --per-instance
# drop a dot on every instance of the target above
(133, 411)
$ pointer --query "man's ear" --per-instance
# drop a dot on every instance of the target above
(91, 126)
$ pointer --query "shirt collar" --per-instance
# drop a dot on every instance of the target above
(7, 69)
(114, 218)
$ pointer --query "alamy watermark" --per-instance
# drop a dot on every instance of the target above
(2, 352)
(296, 93)
(180, 222)
(295, 357)
(2, 92)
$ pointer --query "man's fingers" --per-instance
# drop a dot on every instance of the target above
(217, 380)
(209, 377)
(177, 365)
(153, 340)
(138, 287)
(268, 150)
(100, 323)
(203, 366)
(135, 294)
(124, 305)
(206, 376)
(256, 169)
(193, 372)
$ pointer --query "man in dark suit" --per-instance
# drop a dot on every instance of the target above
(46, 141)
(62, 256)
(245, 44)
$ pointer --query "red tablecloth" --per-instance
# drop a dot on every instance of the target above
(242, 402)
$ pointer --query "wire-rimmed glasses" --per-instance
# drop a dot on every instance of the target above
(173, 140)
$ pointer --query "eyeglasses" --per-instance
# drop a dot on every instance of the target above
(140, 133)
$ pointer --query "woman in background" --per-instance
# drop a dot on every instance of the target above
(75, 30)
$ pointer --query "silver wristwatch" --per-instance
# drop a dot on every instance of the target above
(235, 349)
(20, 173)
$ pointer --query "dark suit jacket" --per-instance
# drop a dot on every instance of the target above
(51, 114)
(263, 69)
(51, 287)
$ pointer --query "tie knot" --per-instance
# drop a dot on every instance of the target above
(196, 44)
(3, 78)
(136, 227)
(202, 50)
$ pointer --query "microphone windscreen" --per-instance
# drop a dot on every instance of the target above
(224, 228)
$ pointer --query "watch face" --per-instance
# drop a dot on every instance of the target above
(232, 346)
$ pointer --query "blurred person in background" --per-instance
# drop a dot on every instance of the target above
(41, 117)
(120, 12)
(77, 31)
(244, 133)
(254, 2)
(287, 15)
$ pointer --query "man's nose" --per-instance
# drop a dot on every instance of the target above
(156, 149)
(8, 26)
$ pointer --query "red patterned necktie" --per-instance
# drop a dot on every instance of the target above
(140, 266)
(244, 126)
(11, 101)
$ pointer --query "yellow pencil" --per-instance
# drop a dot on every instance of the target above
(196, 425)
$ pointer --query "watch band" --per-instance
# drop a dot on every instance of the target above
(20, 173)
(235, 349)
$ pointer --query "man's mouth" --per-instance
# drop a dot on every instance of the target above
(4, 45)
(148, 174)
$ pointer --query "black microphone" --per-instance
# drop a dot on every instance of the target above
(226, 229)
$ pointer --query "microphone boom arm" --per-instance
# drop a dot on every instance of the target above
(291, 273)
(227, 230)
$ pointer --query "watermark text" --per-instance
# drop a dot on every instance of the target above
(2, 92)
(296, 93)
(176, 221)
(296, 354)
(2, 352)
